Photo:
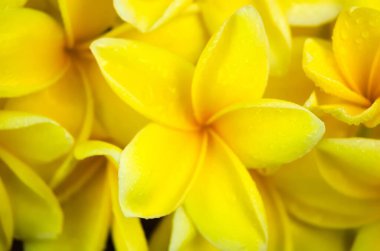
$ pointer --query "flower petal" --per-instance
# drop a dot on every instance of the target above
(308, 197)
(33, 138)
(233, 67)
(355, 39)
(367, 238)
(89, 209)
(353, 114)
(93, 148)
(313, 13)
(127, 233)
(6, 219)
(35, 209)
(215, 12)
(224, 203)
(7, 4)
(320, 65)
(156, 154)
(351, 165)
(269, 132)
(100, 16)
(31, 51)
(173, 36)
(293, 86)
(64, 102)
(185, 236)
(147, 16)
(154, 82)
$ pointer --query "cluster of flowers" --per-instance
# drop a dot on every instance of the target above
(243, 125)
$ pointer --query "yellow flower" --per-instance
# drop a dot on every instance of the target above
(91, 213)
(205, 130)
(347, 70)
(28, 209)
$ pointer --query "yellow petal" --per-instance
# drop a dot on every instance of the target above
(6, 219)
(308, 197)
(215, 12)
(7, 4)
(99, 16)
(35, 209)
(127, 233)
(293, 86)
(355, 39)
(33, 138)
(185, 236)
(279, 234)
(353, 114)
(269, 132)
(147, 16)
(108, 107)
(320, 65)
(64, 102)
(367, 238)
(233, 67)
(93, 148)
(173, 36)
(313, 12)
(87, 218)
(351, 165)
(154, 82)
(156, 154)
(312, 238)
(32, 52)
(224, 203)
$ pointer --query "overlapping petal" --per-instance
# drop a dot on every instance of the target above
(185, 236)
(149, 15)
(355, 39)
(79, 219)
(36, 211)
(31, 51)
(269, 132)
(351, 165)
(127, 233)
(155, 155)
(229, 213)
(173, 36)
(221, 77)
(320, 65)
(151, 80)
(7, 4)
(33, 138)
(100, 16)
(215, 12)
(310, 198)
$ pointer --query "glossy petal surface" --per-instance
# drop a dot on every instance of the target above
(224, 202)
(32, 52)
(233, 68)
(156, 154)
(269, 132)
(151, 80)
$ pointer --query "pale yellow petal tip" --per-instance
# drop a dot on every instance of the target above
(93, 148)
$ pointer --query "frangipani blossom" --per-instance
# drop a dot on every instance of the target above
(347, 70)
(208, 123)
(94, 206)
(28, 209)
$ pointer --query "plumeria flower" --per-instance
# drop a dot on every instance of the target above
(346, 69)
(178, 232)
(28, 209)
(208, 123)
(95, 207)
